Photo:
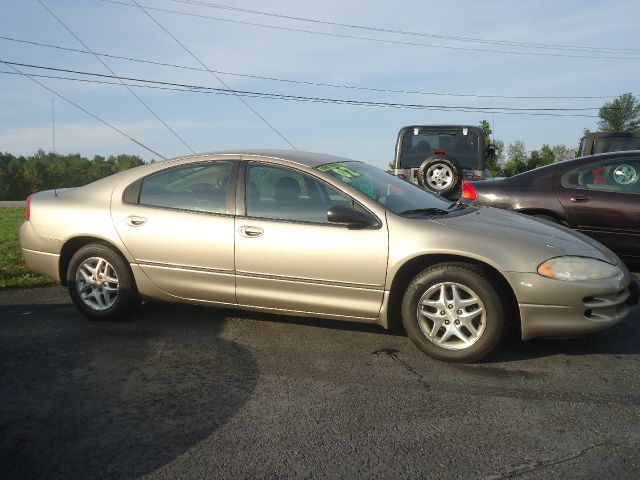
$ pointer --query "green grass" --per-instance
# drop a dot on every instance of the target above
(13, 272)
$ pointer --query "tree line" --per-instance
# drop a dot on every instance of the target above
(20, 176)
(516, 158)
(622, 114)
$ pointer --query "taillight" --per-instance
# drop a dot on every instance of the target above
(468, 191)
(439, 152)
(27, 215)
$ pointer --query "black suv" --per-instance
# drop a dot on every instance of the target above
(604, 142)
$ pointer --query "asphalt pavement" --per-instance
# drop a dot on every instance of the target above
(188, 392)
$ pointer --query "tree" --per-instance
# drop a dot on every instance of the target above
(562, 152)
(493, 160)
(20, 176)
(518, 159)
(622, 114)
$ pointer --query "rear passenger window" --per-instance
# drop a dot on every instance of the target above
(615, 175)
(281, 193)
(197, 187)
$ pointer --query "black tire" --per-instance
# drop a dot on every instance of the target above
(440, 174)
(489, 324)
(98, 300)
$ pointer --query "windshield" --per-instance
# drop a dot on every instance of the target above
(418, 144)
(399, 196)
(616, 144)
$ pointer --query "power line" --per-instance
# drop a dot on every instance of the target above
(552, 46)
(371, 39)
(206, 89)
(215, 76)
(312, 99)
(113, 73)
(318, 84)
(30, 77)
(410, 33)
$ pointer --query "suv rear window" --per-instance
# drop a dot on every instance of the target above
(418, 144)
(615, 144)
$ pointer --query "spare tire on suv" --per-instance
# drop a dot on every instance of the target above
(440, 173)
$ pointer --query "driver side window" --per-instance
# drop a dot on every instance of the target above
(285, 194)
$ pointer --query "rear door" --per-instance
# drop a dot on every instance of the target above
(178, 225)
(602, 200)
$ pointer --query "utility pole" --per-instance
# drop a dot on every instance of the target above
(53, 128)
(493, 129)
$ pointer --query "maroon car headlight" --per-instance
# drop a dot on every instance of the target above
(578, 269)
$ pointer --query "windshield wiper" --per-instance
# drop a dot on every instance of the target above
(426, 211)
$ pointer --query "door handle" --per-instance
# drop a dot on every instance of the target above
(135, 221)
(250, 232)
(580, 199)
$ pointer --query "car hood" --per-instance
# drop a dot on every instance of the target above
(521, 229)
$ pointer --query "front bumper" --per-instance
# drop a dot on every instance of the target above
(557, 308)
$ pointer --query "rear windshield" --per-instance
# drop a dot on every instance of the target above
(418, 144)
(615, 144)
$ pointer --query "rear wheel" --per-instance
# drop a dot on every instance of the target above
(101, 284)
(452, 312)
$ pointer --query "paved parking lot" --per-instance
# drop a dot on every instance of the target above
(189, 392)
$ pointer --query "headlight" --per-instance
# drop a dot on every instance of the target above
(577, 268)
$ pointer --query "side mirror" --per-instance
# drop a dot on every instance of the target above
(491, 151)
(349, 217)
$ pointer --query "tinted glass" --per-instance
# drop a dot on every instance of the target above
(615, 144)
(199, 187)
(418, 144)
(388, 190)
(620, 175)
(285, 194)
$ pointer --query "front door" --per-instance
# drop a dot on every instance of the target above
(288, 257)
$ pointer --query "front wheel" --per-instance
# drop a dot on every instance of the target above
(452, 312)
(100, 283)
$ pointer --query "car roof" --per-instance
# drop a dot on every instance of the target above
(578, 161)
(442, 127)
(309, 159)
(612, 134)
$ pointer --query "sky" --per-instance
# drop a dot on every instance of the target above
(573, 49)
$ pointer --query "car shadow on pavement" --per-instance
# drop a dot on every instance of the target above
(620, 340)
(81, 399)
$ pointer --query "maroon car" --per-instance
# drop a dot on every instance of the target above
(598, 195)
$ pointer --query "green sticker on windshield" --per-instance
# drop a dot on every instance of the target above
(340, 169)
